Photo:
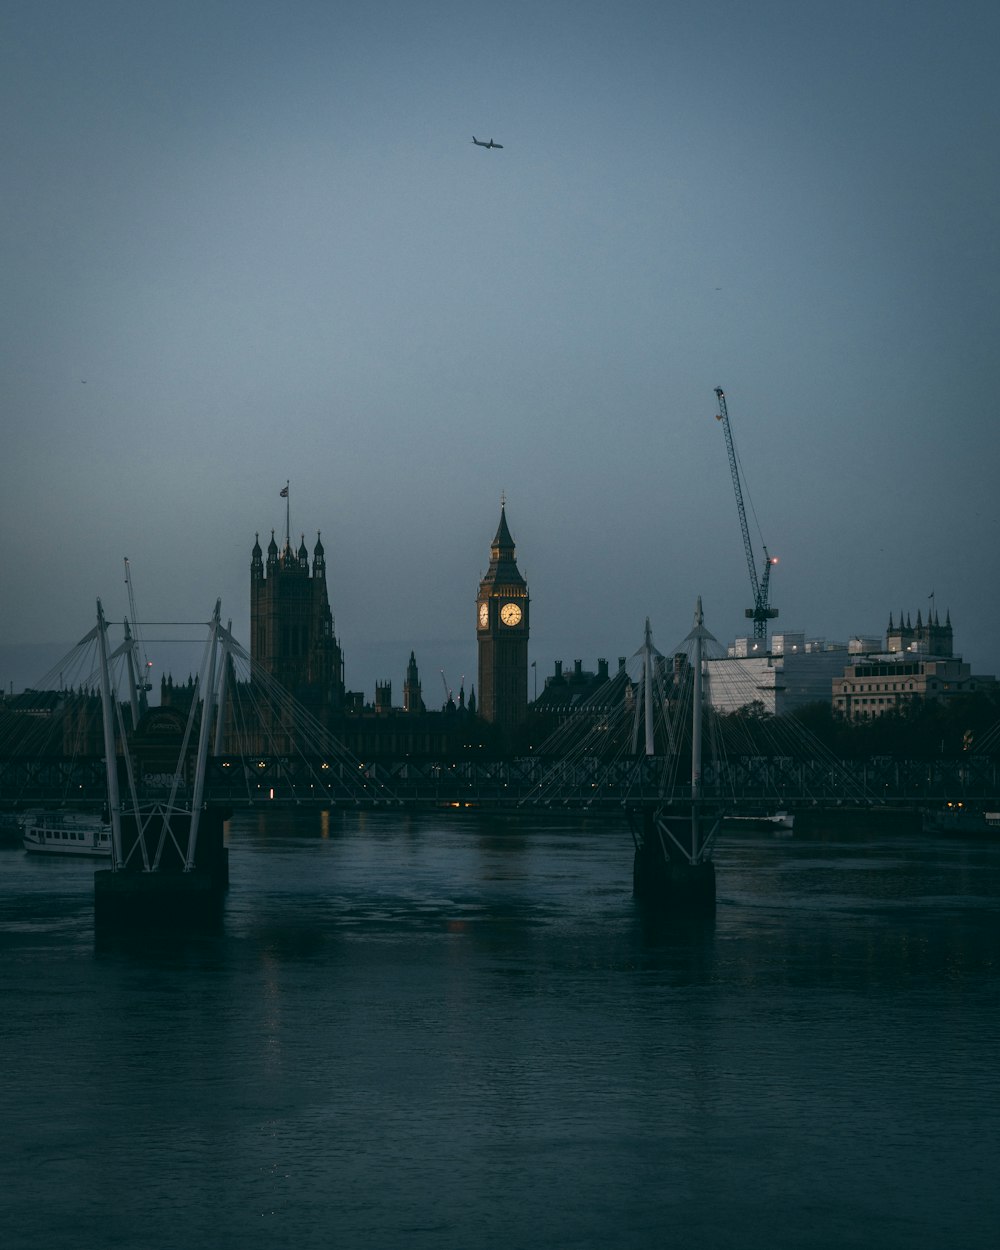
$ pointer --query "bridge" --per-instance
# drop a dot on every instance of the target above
(745, 784)
(643, 746)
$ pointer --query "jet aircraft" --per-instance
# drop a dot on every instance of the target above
(480, 144)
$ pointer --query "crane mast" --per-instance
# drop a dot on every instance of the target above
(761, 612)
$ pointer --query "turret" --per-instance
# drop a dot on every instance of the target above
(412, 700)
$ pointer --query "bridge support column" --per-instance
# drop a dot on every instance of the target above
(672, 883)
(170, 897)
(663, 877)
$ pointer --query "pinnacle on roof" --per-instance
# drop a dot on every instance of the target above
(503, 568)
(503, 538)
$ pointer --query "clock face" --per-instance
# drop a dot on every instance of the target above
(484, 615)
(510, 614)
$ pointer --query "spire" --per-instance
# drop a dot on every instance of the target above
(412, 702)
(503, 568)
(503, 541)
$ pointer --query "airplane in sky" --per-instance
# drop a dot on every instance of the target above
(480, 144)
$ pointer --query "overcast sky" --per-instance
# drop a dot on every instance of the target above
(245, 242)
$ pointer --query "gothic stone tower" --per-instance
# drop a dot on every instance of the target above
(502, 634)
(291, 625)
(412, 700)
(930, 639)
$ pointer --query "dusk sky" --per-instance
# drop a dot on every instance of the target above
(249, 242)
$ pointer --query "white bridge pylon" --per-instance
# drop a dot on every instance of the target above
(683, 824)
(157, 827)
(650, 695)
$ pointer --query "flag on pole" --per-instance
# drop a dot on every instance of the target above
(284, 492)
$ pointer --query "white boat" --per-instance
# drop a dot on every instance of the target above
(777, 822)
(65, 833)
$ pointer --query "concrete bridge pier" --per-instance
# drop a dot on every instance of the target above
(663, 876)
(173, 894)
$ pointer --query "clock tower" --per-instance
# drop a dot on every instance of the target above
(502, 635)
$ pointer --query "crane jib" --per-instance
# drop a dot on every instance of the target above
(761, 612)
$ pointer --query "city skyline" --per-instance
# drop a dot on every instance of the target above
(446, 665)
(249, 246)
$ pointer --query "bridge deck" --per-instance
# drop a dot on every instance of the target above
(745, 786)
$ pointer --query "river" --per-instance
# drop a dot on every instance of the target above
(459, 1031)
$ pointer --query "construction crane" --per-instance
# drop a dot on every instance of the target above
(761, 612)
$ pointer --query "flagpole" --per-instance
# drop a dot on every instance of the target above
(288, 514)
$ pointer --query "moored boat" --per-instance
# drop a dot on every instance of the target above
(961, 818)
(777, 822)
(66, 833)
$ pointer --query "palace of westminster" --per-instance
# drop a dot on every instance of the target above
(294, 647)
(293, 640)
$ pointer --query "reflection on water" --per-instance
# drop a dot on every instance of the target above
(457, 1031)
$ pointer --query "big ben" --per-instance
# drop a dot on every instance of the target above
(502, 635)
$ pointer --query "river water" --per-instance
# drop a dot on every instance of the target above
(456, 1031)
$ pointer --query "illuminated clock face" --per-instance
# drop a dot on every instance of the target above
(510, 614)
(484, 615)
